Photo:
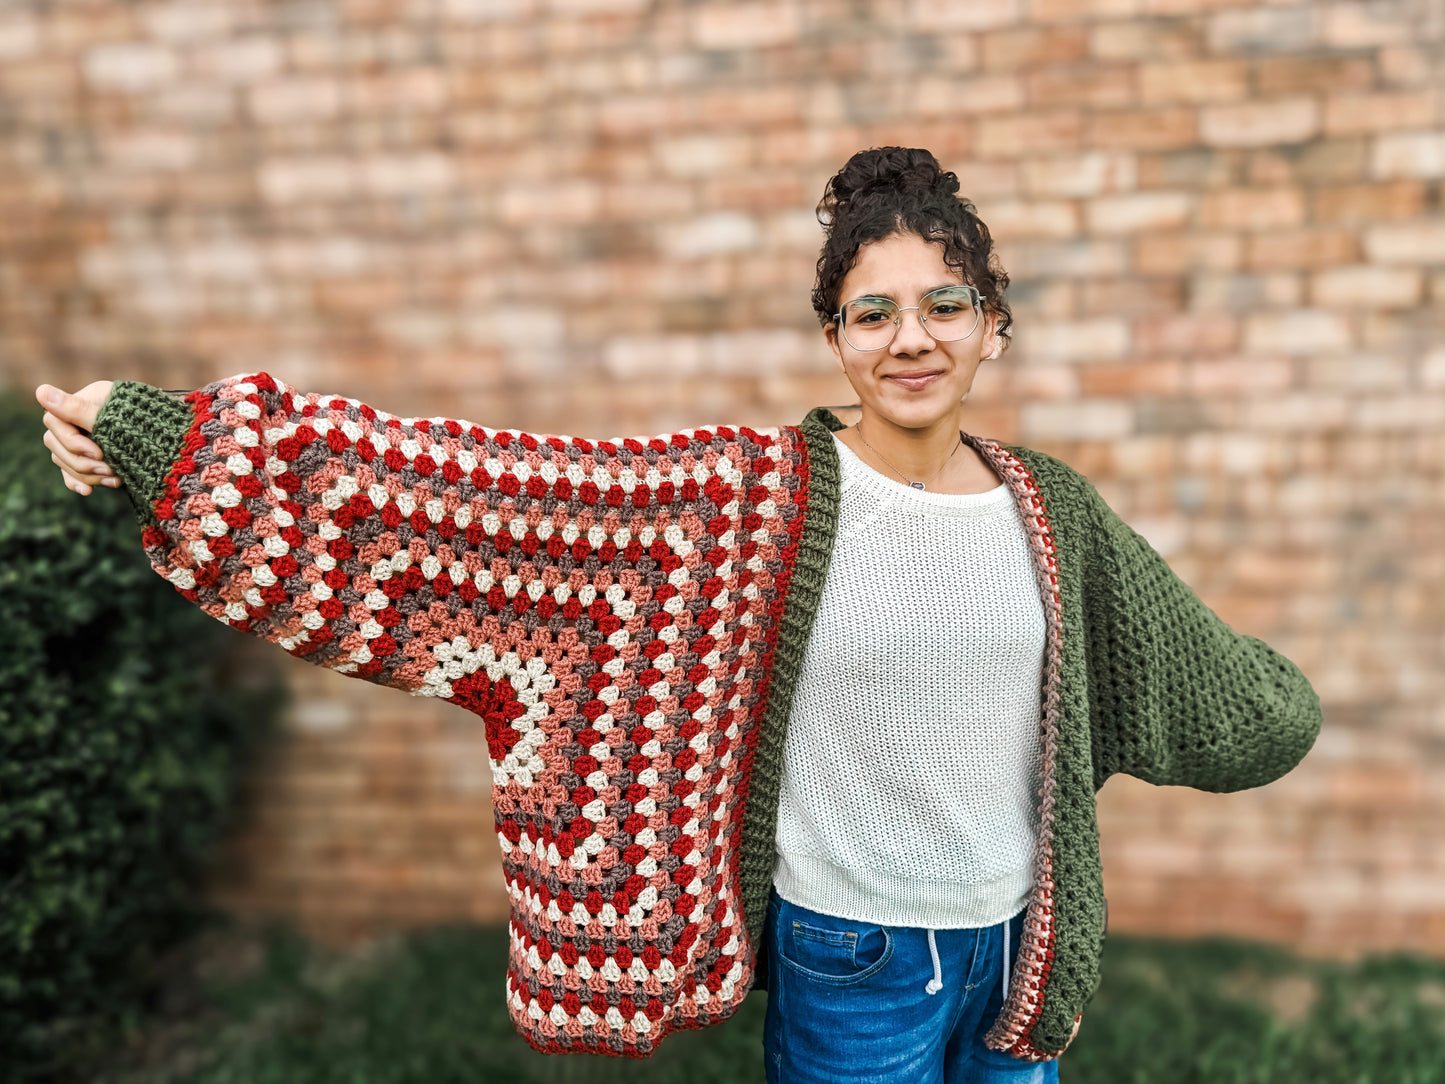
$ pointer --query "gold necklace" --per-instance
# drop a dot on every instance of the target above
(914, 485)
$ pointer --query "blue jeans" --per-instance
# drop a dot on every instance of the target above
(850, 1001)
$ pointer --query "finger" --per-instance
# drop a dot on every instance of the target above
(83, 484)
(78, 469)
(71, 437)
(74, 484)
(79, 464)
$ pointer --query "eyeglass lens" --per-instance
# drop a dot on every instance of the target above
(871, 323)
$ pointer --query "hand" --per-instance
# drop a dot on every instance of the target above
(67, 420)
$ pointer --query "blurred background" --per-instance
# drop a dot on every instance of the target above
(1226, 235)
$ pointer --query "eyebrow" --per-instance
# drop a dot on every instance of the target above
(890, 297)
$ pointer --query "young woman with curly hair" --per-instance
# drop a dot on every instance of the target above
(819, 709)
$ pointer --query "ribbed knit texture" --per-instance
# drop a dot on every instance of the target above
(141, 429)
(628, 620)
(916, 715)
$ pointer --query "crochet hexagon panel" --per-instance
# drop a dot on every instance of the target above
(608, 609)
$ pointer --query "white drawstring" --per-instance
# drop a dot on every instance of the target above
(935, 984)
(1005, 957)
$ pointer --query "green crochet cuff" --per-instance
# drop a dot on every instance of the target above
(140, 429)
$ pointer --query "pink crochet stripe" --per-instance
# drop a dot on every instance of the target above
(1028, 980)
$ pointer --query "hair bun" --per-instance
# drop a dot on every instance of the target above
(894, 169)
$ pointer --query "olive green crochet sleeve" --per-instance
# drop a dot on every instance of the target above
(141, 429)
(1179, 697)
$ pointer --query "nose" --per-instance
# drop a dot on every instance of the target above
(912, 336)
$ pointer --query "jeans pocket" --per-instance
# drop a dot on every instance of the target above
(832, 950)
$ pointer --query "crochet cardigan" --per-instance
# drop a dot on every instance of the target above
(628, 617)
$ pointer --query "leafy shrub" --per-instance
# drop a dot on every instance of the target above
(124, 724)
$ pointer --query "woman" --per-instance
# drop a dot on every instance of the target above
(820, 709)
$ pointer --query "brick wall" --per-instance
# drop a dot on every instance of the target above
(1225, 230)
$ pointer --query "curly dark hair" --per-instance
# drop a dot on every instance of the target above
(889, 190)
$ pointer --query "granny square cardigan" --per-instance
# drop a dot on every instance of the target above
(628, 618)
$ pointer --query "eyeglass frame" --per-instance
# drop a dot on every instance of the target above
(897, 320)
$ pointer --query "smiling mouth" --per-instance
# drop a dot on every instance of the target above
(914, 381)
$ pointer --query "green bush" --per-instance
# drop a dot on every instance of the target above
(124, 723)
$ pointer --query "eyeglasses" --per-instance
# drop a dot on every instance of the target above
(947, 314)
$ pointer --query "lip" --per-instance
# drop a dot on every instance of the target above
(915, 379)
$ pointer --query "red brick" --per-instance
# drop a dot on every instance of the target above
(129, 67)
(1191, 333)
(1403, 65)
(1066, 260)
(1091, 86)
(294, 101)
(1025, 48)
(1303, 248)
(1014, 135)
(1107, 380)
(1174, 253)
(1086, 174)
(1360, 26)
(1068, 11)
(1251, 30)
(1094, 419)
(949, 95)
(1409, 154)
(1235, 376)
(19, 36)
(1366, 286)
(1280, 76)
(1237, 293)
(1418, 242)
(1126, 296)
(1248, 209)
(1016, 218)
(1215, 80)
(1097, 337)
(1147, 39)
(1332, 161)
(1293, 119)
(1139, 211)
(1300, 331)
(750, 25)
(1347, 114)
(1149, 129)
(962, 16)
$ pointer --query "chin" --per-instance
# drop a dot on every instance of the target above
(917, 412)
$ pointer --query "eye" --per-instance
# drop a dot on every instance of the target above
(868, 314)
(949, 302)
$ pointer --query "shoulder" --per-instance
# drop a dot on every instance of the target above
(1059, 484)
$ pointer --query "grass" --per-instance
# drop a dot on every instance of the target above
(249, 1008)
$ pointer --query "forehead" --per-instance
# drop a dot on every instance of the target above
(902, 264)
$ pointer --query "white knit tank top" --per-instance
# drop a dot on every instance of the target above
(912, 761)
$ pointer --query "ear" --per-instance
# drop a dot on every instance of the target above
(992, 343)
(830, 333)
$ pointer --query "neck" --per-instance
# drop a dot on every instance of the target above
(918, 453)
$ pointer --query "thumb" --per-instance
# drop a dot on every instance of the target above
(69, 408)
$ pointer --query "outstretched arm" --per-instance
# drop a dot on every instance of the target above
(434, 555)
(337, 531)
(1181, 697)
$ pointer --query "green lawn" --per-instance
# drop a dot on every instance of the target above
(428, 1009)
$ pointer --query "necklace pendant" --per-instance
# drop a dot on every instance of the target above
(916, 485)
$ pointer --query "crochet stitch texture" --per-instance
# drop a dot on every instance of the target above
(628, 619)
